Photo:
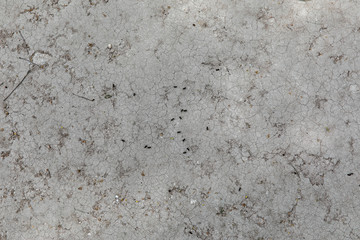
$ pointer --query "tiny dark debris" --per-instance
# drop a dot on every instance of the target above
(184, 152)
(221, 212)
(180, 117)
(217, 69)
(134, 94)
(5, 154)
(350, 174)
(122, 140)
(184, 140)
(175, 86)
(178, 131)
(188, 149)
(207, 128)
(172, 119)
(239, 189)
(184, 88)
(48, 174)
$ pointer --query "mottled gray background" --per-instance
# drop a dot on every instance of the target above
(139, 119)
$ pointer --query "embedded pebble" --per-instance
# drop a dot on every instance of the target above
(40, 58)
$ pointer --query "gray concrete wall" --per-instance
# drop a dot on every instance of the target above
(232, 119)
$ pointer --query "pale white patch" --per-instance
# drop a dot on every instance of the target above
(354, 88)
(40, 58)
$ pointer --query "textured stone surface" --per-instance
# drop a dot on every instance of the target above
(179, 119)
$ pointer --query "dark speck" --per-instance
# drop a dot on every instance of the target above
(184, 152)
(184, 88)
(178, 131)
(175, 86)
(169, 190)
(349, 174)
(184, 140)
(207, 128)
(180, 117)
(146, 146)
(188, 149)
(134, 94)
(172, 119)
(190, 231)
(122, 140)
(239, 189)
(217, 69)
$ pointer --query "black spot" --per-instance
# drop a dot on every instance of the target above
(122, 140)
(184, 140)
(134, 94)
(175, 86)
(184, 88)
(178, 131)
(190, 231)
(146, 146)
(194, 24)
(207, 128)
(172, 119)
(170, 190)
(188, 149)
(180, 117)
(184, 152)
(217, 69)
(349, 174)
(239, 189)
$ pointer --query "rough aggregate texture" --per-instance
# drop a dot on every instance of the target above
(206, 119)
